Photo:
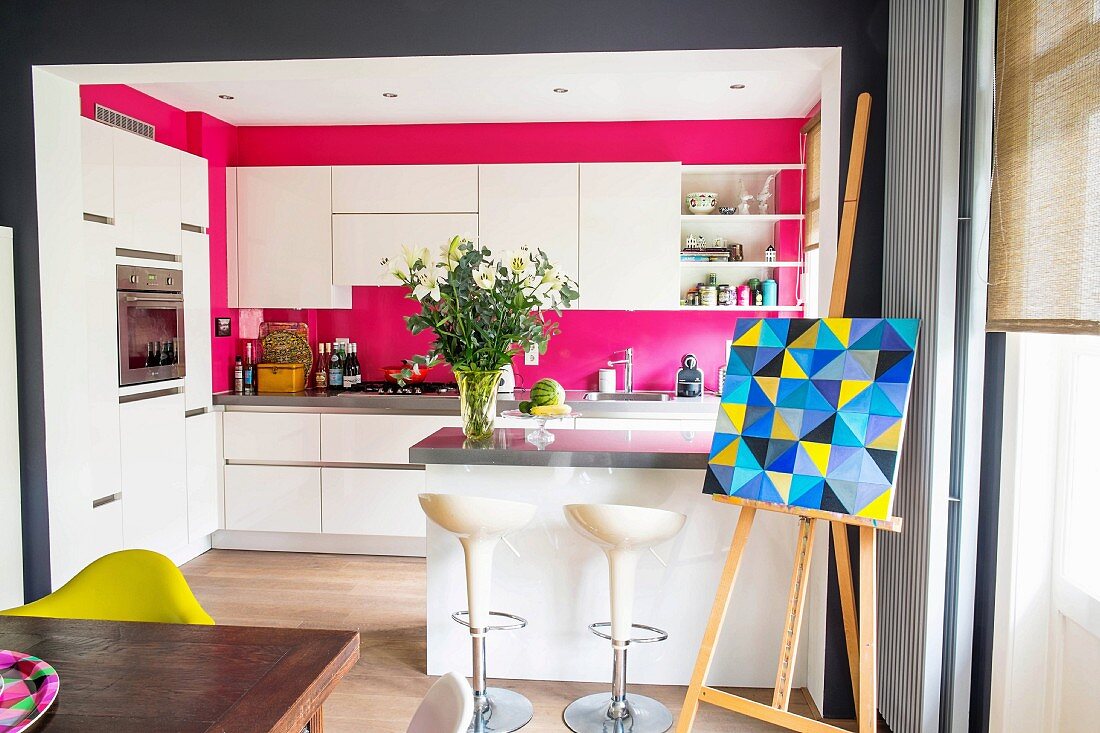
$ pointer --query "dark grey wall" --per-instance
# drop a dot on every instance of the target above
(119, 31)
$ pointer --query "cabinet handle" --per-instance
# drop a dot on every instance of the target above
(105, 500)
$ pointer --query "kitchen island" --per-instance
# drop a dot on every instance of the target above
(559, 581)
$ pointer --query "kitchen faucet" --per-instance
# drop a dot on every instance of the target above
(628, 367)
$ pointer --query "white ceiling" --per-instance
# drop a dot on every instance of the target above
(517, 88)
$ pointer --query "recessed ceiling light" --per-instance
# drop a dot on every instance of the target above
(737, 86)
(389, 95)
(560, 90)
(226, 96)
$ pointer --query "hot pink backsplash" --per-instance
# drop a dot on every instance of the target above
(375, 320)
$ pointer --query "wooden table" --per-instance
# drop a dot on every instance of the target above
(169, 678)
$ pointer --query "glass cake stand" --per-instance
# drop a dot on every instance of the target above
(539, 437)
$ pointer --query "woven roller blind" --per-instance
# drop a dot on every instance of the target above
(1044, 239)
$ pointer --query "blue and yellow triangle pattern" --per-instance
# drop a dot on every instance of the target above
(812, 413)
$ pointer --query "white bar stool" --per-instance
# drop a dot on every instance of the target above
(621, 532)
(480, 524)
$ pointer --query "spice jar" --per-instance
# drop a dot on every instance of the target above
(725, 295)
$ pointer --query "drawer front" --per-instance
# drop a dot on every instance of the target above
(377, 438)
(272, 436)
(273, 498)
(372, 501)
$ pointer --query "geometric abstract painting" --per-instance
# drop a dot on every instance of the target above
(812, 413)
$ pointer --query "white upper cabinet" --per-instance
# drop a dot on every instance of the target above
(98, 163)
(198, 383)
(532, 204)
(361, 241)
(629, 236)
(404, 189)
(147, 194)
(284, 239)
(194, 190)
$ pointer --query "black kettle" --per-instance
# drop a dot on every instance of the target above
(689, 380)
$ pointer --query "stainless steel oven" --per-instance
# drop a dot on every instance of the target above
(150, 324)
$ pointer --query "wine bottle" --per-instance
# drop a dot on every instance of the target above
(166, 355)
(249, 371)
(335, 370)
(152, 359)
(238, 377)
(351, 369)
(320, 376)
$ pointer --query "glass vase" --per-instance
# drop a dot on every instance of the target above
(477, 394)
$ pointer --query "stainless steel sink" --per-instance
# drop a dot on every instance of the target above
(627, 396)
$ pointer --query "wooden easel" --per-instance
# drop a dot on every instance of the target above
(859, 631)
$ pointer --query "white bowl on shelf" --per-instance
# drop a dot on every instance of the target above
(701, 202)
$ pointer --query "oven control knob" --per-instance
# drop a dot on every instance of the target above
(168, 281)
(133, 279)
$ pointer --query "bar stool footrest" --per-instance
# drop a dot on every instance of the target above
(462, 617)
(657, 634)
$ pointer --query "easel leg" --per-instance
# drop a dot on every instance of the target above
(866, 704)
(717, 619)
(847, 601)
(792, 622)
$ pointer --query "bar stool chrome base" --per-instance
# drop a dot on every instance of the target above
(507, 711)
(589, 714)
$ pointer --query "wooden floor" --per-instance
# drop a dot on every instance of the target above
(383, 598)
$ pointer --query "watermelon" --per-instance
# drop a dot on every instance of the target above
(525, 407)
(547, 392)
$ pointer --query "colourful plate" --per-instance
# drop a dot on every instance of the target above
(29, 688)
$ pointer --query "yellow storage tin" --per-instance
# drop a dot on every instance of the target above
(281, 377)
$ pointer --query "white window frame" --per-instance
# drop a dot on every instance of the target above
(1033, 598)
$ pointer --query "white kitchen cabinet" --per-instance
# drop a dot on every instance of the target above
(154, 473)
(372, 501)
(272, 436)
(147, 194)
(361, 241)
(273, 498)
(232, 278)
(197, 333)
(630, 236)
(97, 158)
(349, 438)
(202, 474)
(101, 368)
(284, 239)
(404, 189)
(194, 190)
(532, 204)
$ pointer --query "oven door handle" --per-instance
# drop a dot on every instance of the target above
(154, 298)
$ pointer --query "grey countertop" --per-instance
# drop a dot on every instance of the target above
(702, 407)
(573, 448)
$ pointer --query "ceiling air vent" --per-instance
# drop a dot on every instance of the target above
(123, 122)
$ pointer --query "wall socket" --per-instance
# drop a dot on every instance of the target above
(531, 356)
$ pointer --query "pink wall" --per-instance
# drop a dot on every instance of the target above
(693, 142)
(587, 338)
(375, 318)
(200, 134)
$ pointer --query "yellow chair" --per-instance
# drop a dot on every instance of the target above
(131, 585)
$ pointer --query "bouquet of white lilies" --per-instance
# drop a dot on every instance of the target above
(483, 310)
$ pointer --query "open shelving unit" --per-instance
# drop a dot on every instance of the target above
(754, 232)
